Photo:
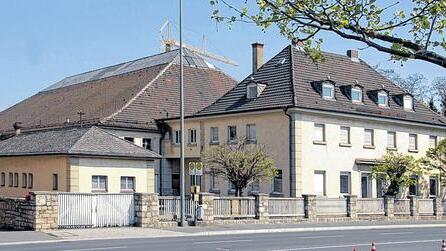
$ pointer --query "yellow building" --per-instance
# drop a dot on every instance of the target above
(325, 125)
(74, 160)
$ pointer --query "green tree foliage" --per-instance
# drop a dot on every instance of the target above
(398, 171)
(436, 160)
(240, 163)
(404, 29)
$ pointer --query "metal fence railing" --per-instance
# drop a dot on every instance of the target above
(286, 207)
(234, 207)
(169, 207)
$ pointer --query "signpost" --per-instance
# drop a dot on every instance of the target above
(195, 169)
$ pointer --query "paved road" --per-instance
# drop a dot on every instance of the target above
(424, 239)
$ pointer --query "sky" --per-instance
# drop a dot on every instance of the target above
(41, 42)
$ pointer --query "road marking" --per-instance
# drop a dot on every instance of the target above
(91, 249)
(217, 242)
(396, 233)
(355, 245)
(322, 236)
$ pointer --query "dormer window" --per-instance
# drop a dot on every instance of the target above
(383, 99)
(251, 91)
(328, 90)
(356, 94)
(408, 102)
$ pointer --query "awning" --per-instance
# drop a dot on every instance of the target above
(366, 164)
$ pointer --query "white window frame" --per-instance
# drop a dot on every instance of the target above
(332, 90)
(192, 136)
(213, 131)
(408, 102)
(342, 140)
(394, 145)
(386, 98)
(349, 182)
(251, 133)
(126, 180)
(177, 137)
(252, 91)
(372, 137)
(436, 186)
(99, 188)
(317, 127)
(24, 180)
(232, 139)
(277, 184)
(147, 143)
(413, 147)
(359, 91)
(435, 141)
(3, 179)
(324, 183)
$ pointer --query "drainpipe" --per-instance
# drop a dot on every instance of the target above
(293, 189)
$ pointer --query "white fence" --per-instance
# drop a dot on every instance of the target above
(286, 207)
(370, 206)
(234, 207)
(426, 206)
(331, 206)
(401, 206)
(95, 210)
(170, 207)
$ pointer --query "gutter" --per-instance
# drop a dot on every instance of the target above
(290, 151)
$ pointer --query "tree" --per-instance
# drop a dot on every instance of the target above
(398, 170)
(432, 105)
(403, 30)
(440, 89)
(240, 163)
(415, 84)
(436, 160)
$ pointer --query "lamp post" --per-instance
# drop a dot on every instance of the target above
(182, 187)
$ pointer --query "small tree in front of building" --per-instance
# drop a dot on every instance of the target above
(240, 163)
(398, 171)
(435, 160)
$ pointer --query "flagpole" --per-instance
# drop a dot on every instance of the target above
(182, 187)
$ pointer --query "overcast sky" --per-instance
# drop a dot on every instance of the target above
(43, 41)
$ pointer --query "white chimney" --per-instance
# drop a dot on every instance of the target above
(353, 55)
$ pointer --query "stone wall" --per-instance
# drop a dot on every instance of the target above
(146, 209)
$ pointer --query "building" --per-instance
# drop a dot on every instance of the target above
(324, 124)
(124, 99)
(74, 159)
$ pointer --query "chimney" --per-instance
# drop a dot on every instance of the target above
(17, 127)
(257, 56)
(353, 55)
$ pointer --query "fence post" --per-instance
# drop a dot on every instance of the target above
(389, 206)
(414, 206)
(352, 210)
(206, 201)
(46, 209)
(146, 209)
(310, 206)
(438, 208)
(262, 207)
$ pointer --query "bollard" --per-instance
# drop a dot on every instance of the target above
(373, 247)
(443, 246)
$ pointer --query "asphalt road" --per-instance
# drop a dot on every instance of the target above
(415, 239)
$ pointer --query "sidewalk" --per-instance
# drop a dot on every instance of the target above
(11, 238)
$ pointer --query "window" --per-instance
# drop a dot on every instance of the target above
(192, 136)
(3, 180)
(99, 183)
(433, 186)
(30, 180)
(251, 133)
(327, 90)
(345, 135)
(231, 187)
(55, 181)
(408, 102)
(214, 135)
(413, 188)
(130, 139)
(356, 94)
(432, 141)
(127, 183)
(16, 179)
(147, 143)
(366, 185)
(382, 99)
(213, 182)
(369, 137)
(413, 142)
(277, 182)
(319, 182)
(319, 132)
(381, 186)
(345, 182)
(11, 180)
(157, 188)
(251, 91)
(232, 133)
(24, 180)
(255, 186)
(391, 140)
(177, 137)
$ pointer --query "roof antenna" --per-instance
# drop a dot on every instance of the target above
(81, 114)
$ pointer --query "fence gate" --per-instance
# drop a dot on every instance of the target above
(95, 210)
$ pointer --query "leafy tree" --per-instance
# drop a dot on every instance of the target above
(240, 163)
(440, 89)
(436, 160)
(404, 30)
(398, 170)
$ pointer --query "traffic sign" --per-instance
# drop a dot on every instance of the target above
(196, 168)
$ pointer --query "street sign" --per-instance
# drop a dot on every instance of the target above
(196, 168)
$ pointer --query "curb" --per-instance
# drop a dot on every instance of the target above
(235, 232)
